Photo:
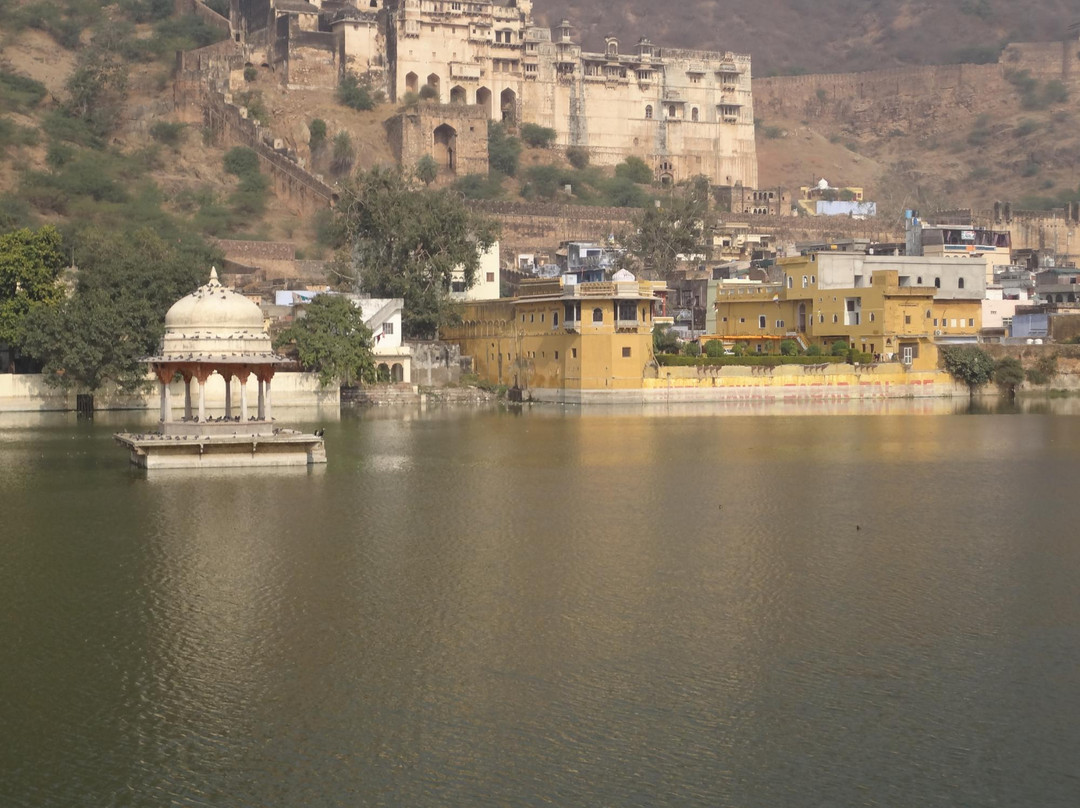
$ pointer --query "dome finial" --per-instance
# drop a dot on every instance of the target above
(213, 277)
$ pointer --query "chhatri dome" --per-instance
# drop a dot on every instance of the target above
(214, 324)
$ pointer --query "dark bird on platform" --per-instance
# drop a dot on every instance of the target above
(319, 432)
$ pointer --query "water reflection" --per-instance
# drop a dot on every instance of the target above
(559, 606)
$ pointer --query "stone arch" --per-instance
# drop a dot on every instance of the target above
(483, 99)
(508, 105)
(397, 372)
(694, 114)
(412, 83)
(444, 146)
(648, 110)
(458, 95)
(383, 372)
(433, 83)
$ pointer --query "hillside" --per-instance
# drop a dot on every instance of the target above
(823, 36)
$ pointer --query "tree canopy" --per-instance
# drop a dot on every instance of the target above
(969, 364)
(126, 282)
(680, 225)
(407, 242)
(30, 266)
(332, 340)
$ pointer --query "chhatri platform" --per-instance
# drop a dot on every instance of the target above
(216, 330)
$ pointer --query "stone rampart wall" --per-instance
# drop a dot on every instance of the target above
(251, 251)
(207, 15)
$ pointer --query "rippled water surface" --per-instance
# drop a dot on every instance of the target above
(552, 607)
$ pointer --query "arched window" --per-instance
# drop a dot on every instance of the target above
(804, 283)
(835, 318)
(960, 283)
(671, 111)
(598, 315)
(694, 114)
(648, 110)
(790, 281)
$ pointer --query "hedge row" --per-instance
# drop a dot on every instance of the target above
(769, 360)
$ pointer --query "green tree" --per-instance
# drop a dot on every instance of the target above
(969, 364)
(691, 349)
(408, 241)
(1008, 374)
(789, 347)
(427, 169)
(664, 340)
(578, 157)
(840, 348)
(714, 348)
(126, 282)
(241, 161)
(503, 150)
(30, 266)
(635, 169)
(317, 135)
(332, 340)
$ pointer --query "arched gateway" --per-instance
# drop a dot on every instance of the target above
(216, 330)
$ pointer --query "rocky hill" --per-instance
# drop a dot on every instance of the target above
(824, 36)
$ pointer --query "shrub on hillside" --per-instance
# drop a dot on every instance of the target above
(20, 93)
(429, 93)
(241, 161)
(480, 186)
(503, 150)
(167, 133)
(578, 157)
(539, 137)
(353, 93)
(634, 169)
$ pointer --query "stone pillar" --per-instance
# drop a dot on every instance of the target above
(228, 394)
(166, 404)
(163, 389)
(187, 397)
(262, 404)
(243, 377)
(202, 399)
(269, 416)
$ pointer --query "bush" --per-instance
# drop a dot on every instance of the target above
(665, 341)
(427, 169)
(789, 347)
(167, 133)
(1008, 373)
(503, 150)
(20, 93)
(539, 137)
(544, 181)
(814, 350)
(840, 348)
(578, 157)
(429, 93)
(253, 101)
(635, 170)
(968, 364)
(341, 162)
(241, 161)
(714, 348)
(479, 186)
(353, 93)
(250, 73)
(691, 349)
(1044, 371)
(316, 134)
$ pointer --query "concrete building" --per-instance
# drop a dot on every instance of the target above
(558, 340)
(488, 282)
(889, 306)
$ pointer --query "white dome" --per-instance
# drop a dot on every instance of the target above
(215, 324)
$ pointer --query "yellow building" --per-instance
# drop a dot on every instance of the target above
(896, 308)
(556, 340)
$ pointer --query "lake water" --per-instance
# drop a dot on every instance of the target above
(554, 607)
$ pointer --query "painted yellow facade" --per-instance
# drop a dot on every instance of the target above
(555, 336)
(878, 314)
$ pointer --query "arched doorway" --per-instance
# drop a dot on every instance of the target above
(383, 372)
(483, 99)
(457, 95)
(802, 317)
(433, 83)
(412, 83)
(508, 106)
(444, 146)
(397, 373)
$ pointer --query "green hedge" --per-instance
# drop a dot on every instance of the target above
(769, 360)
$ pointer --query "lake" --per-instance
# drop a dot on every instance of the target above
(871, 605)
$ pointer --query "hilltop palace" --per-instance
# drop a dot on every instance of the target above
(684, 112)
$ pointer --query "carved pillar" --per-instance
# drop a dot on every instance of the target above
(202, 373)
(261, 413)
(228, 392)
(187, 394)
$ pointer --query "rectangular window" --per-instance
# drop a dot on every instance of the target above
(554, 319)
(742, 319)
(491, 277)
(935, 322)
(907, 319)
(971, 322)
(556, 354)
(388, 328)
(573, 353)
(541, 318)
(761, 321)
(626, 353)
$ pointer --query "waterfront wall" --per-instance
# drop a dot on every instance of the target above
(29, 393)
(805, 383)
